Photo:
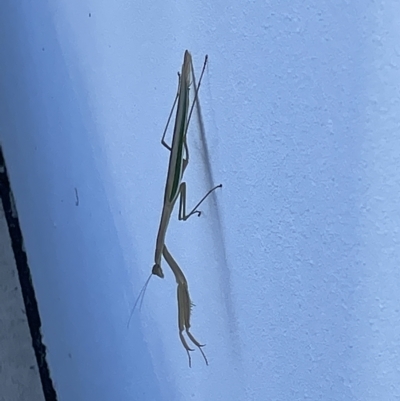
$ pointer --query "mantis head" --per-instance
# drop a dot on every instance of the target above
(157, 271)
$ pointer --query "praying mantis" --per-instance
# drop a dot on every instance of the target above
(175, 188)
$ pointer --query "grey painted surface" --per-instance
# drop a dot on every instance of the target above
(19, 377)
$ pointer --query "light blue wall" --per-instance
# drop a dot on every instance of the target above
(293, 266)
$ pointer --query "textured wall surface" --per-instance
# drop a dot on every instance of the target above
(19, 378)
(293, 266)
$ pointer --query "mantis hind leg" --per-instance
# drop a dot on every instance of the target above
(198, 86)
(170, 116)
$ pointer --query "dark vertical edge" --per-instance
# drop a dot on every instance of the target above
(28, 292)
